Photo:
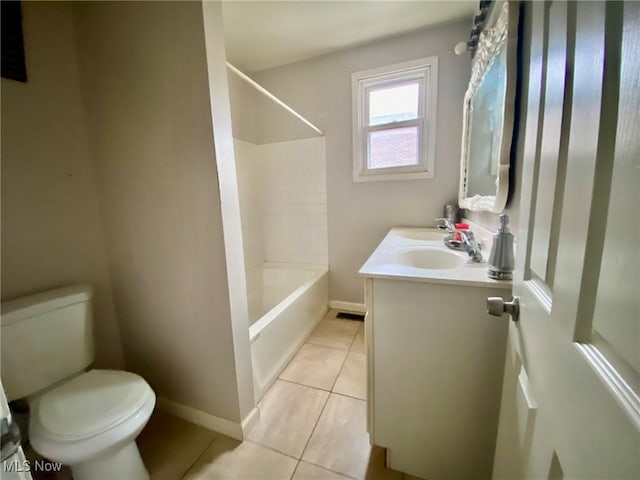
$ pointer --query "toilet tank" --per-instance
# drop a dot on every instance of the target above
(46, 337)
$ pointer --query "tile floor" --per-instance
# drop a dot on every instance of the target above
(312, 423)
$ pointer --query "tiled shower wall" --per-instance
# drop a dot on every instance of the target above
(294, 201)
(283, 201)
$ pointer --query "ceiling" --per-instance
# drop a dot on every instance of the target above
(265, 34)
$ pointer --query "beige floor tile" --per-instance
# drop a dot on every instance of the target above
(170, 445)
(352, 378)
(335, 333)
(288, 413)
(376, 470)
(358, 342)
(229, 459)
(315, 366)
(307, 471)
(340, 441)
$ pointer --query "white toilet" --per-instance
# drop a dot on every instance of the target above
(86, 419)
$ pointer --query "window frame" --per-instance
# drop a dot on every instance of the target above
(425, 70)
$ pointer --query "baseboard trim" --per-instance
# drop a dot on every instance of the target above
(235, 430)
(348, 306)
(250, 420)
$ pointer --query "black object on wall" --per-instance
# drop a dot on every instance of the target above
(13, 64)
(478, 24)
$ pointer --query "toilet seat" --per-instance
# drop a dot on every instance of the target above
(91, 403)
(93, 413)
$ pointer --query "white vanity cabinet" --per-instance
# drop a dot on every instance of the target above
(435, 362)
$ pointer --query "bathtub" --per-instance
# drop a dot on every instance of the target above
(286, 301)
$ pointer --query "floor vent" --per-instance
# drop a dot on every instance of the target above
(350, 316)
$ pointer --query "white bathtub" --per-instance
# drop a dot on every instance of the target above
(286, 301)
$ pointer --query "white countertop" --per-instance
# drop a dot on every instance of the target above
(382, 262)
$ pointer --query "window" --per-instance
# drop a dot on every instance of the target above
(394, 111)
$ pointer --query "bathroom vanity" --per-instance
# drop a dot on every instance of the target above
(435, 358)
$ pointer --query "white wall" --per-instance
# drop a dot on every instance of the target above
(254, 114)
(220, 109)
(51, 233)
(360, 214)
(244, 101)
(147, 87)
(294, 201)
(249, 168)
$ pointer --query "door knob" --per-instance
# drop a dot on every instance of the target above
(497, 307)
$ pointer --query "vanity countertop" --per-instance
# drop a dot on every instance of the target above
(403, 248)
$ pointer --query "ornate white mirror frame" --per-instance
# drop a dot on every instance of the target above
(503, 34)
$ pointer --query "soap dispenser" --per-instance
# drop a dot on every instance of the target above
(501, 260)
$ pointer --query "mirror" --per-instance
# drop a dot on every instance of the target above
(488, 115)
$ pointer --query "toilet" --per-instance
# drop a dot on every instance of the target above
(85, 418)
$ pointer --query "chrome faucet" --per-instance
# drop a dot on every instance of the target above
(446, 225)
(471, 246)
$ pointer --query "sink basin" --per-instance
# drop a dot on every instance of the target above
(430, 258)
(415, 234)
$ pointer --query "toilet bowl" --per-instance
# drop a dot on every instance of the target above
(90, 423)
(85, 418)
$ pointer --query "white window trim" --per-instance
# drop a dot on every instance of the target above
(425, 69)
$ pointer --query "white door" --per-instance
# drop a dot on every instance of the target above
(570, 405)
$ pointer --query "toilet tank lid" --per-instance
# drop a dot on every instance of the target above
(31, 305)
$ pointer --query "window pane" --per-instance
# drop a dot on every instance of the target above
(393, 103)
(395, 147)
